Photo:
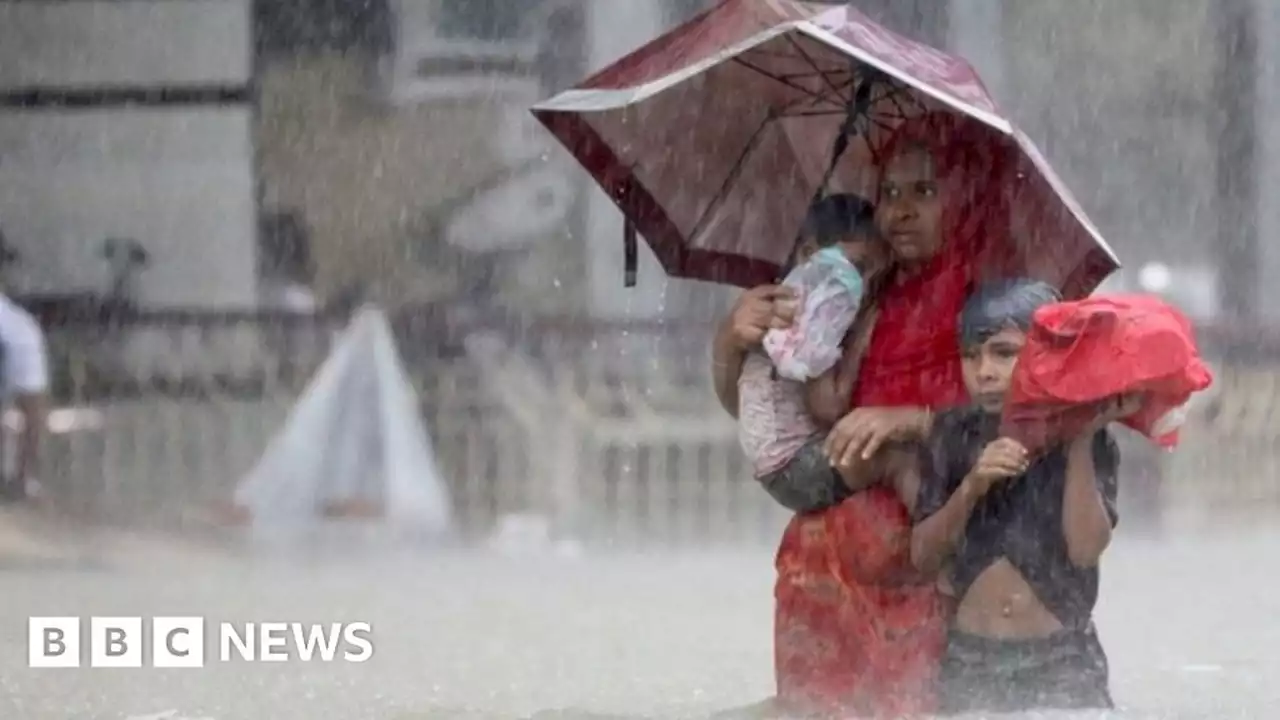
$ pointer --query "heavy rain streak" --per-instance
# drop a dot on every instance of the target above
(639, 359)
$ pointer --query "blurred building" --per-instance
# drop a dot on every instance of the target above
(396, 133)
(129, 121)
(405, 143)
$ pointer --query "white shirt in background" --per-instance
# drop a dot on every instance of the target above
(24, 363)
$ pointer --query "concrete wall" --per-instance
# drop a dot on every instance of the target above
(179, 180)
(1268, 88)
(129, 42)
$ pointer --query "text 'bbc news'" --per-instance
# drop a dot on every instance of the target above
(182, 642)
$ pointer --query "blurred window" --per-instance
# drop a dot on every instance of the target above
(492, 20)
(292, 27)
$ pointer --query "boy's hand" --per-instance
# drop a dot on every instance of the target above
(1000, 460)
(1116, 408)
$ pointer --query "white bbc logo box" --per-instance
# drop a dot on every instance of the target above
(179, 642)
(56, 642)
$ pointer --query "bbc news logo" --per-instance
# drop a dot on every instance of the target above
(180, 642)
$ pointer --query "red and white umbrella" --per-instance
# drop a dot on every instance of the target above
(714, 138)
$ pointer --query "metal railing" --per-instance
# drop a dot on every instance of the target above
(1228, 464)
(611, 433)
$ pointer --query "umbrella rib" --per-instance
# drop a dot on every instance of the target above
(893, 98)
(815, 96)
(814, 73)
(813, 64)
(837, 109)
(817, 113)
(792, 59)
(734, 172)
(880, 124)
(769, 53)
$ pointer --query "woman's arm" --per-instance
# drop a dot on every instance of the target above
(726, 367)
(1088, 498)
(862, 432)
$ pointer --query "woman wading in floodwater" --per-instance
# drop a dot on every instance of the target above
(857, 630)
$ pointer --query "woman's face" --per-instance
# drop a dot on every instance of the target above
(988, 367)
(909, 213)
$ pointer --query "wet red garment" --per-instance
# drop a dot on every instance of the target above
(850, 637)
(1080, 353)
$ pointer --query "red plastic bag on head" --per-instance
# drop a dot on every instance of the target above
(1081, 354)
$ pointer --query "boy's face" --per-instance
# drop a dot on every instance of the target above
(988, 367)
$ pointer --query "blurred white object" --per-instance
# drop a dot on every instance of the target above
(1155, 277)
(58, 421)
(1193, 289)
(24, 352)
(355, 438)
(299, 298)
(1170, 421)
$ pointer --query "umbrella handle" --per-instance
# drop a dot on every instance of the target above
(859, 104)
(630, 254)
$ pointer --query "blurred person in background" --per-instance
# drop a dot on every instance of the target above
(24, 385)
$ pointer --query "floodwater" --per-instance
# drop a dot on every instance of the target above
(1190, 623)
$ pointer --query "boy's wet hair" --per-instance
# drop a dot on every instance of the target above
(834, 217)
(997, 305)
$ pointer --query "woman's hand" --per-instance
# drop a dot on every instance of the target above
(758, 311)
(862, 432)
(1000, 460)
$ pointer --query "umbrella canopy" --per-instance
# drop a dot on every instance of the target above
(714, 139)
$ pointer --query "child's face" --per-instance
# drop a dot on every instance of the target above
(868, 252)
(988, 367)
(808, 246)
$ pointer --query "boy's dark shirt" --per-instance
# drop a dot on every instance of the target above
(1019, 519)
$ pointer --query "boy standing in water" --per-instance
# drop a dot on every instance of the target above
(1020, 537)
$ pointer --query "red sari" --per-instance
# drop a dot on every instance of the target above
(850, 637)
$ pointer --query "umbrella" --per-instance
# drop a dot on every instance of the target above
(714, 139)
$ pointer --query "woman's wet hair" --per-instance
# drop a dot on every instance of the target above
(832, 218)
(1001, 304)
